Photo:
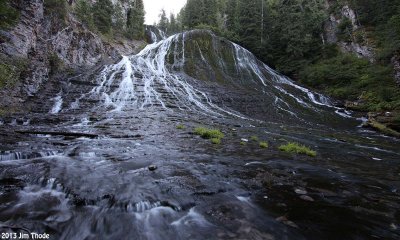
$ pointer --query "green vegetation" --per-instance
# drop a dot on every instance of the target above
(57, 10)
(8, 15)
(55, 64)
(102, 15)
(214, 134)
(287, 35)
(263, 144)
(298, 149)
(135, 21)
(11, 70)
(254, 138)
(243, 143)
(350, 78)
(110, 20)
(83, 11)
(180, 126)
(208, 133)
(383, 128)
(216, 141)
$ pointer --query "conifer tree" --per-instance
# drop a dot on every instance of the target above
(232, 15)
(102, 13)
(249, 23)
(194, 13)
(83, 11)
(135, 20)
(163, 24)
(209, 13)
(173, 25)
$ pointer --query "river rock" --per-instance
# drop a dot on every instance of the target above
(152, 167)
(307, 198)
(300, 191)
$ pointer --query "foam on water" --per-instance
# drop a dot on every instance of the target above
(58, 101)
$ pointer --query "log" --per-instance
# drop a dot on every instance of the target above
(66, 134)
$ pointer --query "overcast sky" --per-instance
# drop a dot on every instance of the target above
(153, 8)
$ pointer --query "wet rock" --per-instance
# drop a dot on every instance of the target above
(393, 226)
(307, 198)
(152, 167)
(396, 66)
(384, 122)
(300, 191)
(284, 220)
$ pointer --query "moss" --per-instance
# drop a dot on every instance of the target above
(216, 141)
(243, 143)
(298, 149)
(382, 128)
(208, 133)
(254, 138)
(263, 145)
(180, 127)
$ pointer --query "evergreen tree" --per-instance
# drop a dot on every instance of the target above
(102, 13)
(135, 20)
(193, 13)
(249, 24)
(118, 21)
(163, 23)
(83, 11)
(295, 39)
(173, 25)
(232, 15)
(209, 13)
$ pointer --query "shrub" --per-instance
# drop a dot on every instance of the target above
(298, 149)
(11, 70)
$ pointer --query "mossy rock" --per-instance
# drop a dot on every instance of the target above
(9, 15)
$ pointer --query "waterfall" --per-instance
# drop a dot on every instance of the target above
(157, 77)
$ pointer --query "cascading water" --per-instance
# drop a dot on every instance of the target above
(112, 155)
(161, 75)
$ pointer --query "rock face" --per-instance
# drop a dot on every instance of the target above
(396, 65)
(353, 46)
(153, 34)
(43, 40)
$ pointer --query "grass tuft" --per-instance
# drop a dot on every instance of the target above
(216, 141)
(298, 149)
(208, 133)
(180, 127)
(263, 144)
(254, 138)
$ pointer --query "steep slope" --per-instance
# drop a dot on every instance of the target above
(47, 41)
(199, 71)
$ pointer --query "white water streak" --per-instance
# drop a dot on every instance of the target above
(58, 101)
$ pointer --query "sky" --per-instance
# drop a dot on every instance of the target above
(153, 8)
